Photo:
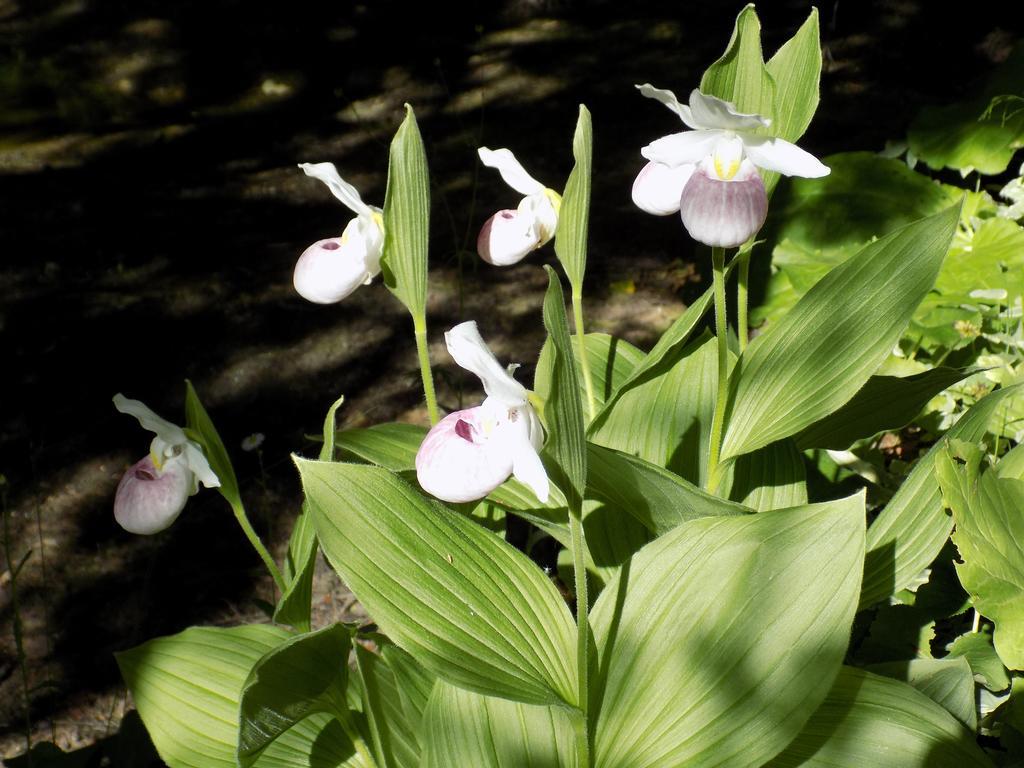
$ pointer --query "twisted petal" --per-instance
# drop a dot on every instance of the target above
(774, 154)
(510, 169)
(507, 237)
(345, 192)
(658, 187)
(148, 499)
(170, 434)
(686, 148)
(469, 350)
(710, 112)
(723, 214)
(456, 462)
(669, 100)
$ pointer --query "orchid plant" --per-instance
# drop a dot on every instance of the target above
(718, 597)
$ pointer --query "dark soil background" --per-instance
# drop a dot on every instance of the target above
(151, 213)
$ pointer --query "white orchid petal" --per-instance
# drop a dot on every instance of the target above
(669, 99)
(199, 466)
(148, 500)
(774, 154)
(685, 148)
(710, 112)
(169, 434)
(658, 187)
(331, 269)
(511, 170)
(507, 237)
(469, 350)
(345, 192)
(723, 214)
(542, 214)
(456, 462)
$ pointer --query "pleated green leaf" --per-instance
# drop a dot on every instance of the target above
(610, 360)
(563, 412)
(981, 655)
(467, 730)
(574, 213)
(462, 602)
(295, 605)
(727, 638)
(657, 498)
(188, 689)
(666, 420)
(394, 736)
(989, 535)
(813, 360)
(392, 446)
(883, 403)
(948, 682)
(796, 70)
(740, 75)
(772, 477)
(304, 674)
(201, 427)
(415, 685)
(868, 721)
(407, 217)
(908, 534)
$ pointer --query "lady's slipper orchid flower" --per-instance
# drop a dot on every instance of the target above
(330, 269)
(709, 174)
(471, 452)
(510, 235)
(154, 490)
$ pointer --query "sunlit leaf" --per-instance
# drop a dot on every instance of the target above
(201, 426)
(574, 213)
(948, 682)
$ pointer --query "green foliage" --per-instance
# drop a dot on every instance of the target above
(201, 428)
(574, 212)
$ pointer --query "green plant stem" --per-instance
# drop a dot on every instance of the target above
(254, 539)
(741, 299)
(715, 445)
(582, 635)
(577, 314)
(420, 326)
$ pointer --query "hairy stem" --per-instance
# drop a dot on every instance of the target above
(582, 635)
(254, 539)
(741, 299)
(420, 326)
(577, 314)
(718, 267)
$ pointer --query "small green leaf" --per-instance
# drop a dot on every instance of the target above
(740, 75)
(563, 412)
(188, 689)
(813, 360)
(867, 721)
(574, 213)
(796, 70)
(392, 446)
(201, 427)
(295, 604)
(407, 218)
(720, 638)
(303, 675)
(989, 533)
(986, 665)
(905, 538)
(467, 730)
(883, 403)
(948, 682)
(462, 602)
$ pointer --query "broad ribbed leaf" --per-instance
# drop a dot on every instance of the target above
(869, 721)
(908, 534)
(201, 427)
(657, 498)
(989, 535)
(574, 213)
(392, 446)
(883, 403)
(740, 75)
(563, 411)
(666, 420)
(464, 603)
(610, 360)
(467, 730)
(948, 682)
(407, 217)
(188, 688)
(303, 675)
(415, 685)
(295, 604)
(729, 635)
(813, 360)
(772, 477)
(796, 70)
(394, 737)
(981, 655)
